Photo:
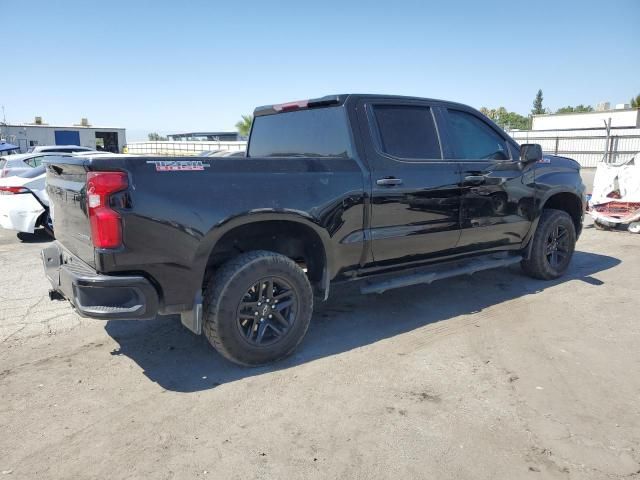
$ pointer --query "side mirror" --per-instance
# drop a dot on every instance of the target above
(530, 152)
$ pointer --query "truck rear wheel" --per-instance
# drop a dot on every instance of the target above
(553, 245)
(257, 308)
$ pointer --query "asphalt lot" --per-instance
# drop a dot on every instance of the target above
(490, 376)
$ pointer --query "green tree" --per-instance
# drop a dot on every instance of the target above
(635, 101)
(577, 109)
(244, 125)
(156, 137)
(505, 119)
(537, 104)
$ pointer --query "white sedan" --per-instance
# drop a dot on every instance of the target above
(24, 203)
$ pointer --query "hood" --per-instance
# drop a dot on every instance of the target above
(558, 161)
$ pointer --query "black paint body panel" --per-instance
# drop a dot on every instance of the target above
(173, 219)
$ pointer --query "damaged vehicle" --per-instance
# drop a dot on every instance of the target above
(615, 201)
(24, 203)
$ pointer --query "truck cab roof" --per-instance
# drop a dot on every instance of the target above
(340, 99)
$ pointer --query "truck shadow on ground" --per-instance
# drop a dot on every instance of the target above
(182, 362)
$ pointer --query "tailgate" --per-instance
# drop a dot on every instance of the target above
(66, 186)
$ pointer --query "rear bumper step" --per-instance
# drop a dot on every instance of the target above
(431, 274)
(105, 297)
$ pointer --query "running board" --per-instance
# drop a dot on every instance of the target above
(415, 278)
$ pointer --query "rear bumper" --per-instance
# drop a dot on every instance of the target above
(105, 297)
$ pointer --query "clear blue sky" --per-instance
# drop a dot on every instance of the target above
(197, 65)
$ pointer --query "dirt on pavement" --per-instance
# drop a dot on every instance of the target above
(490, 376)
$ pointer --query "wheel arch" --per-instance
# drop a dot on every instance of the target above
(566, 200)
(569, 202)
(291, 234)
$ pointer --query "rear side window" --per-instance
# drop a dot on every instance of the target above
(321, 132)
(2, 162)
(407, 131)
(473, 139)
(34, 161)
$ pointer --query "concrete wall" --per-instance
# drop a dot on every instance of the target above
(23, 135)
(560, 121)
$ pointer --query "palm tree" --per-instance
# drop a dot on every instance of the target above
(635, 102)
(244, 125)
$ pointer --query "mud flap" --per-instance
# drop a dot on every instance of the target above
(192, 319)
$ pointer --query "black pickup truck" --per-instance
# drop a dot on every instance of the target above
(385, 190)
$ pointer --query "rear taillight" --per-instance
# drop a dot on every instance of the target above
(106, 226)
(13, 190)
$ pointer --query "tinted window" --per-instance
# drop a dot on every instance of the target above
(321, 132)
(34, 161)
(474, 139)
(407, 131)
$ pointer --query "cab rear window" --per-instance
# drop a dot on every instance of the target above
(320, 132)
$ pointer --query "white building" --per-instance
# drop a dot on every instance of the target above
(27, 135)
(623, 117)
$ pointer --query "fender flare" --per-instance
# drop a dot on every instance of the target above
(219, 230)
(540, 207)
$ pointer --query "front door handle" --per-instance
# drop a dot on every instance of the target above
(389, 181)
(474, 180)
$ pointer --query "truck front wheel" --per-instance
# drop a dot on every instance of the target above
(553, 244)
(257, 307)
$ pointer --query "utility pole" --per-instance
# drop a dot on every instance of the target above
(608, 142)
(4, 121)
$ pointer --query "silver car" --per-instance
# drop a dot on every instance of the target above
(59, 149)
(21, 163)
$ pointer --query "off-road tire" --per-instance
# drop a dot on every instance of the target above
(224, 290)
(538, 265)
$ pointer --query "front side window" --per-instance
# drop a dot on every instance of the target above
(321, 132)
(473, 139)
(407, 131)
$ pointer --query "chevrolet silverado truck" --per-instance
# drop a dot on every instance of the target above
(386, 191)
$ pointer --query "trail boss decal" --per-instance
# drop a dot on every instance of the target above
(179, 165)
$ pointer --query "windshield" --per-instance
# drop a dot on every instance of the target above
(321, 132)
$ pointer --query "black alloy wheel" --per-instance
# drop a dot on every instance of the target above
(267, 311)
(557, 246)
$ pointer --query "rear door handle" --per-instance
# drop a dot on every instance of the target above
(389, 181)
(474, 180)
